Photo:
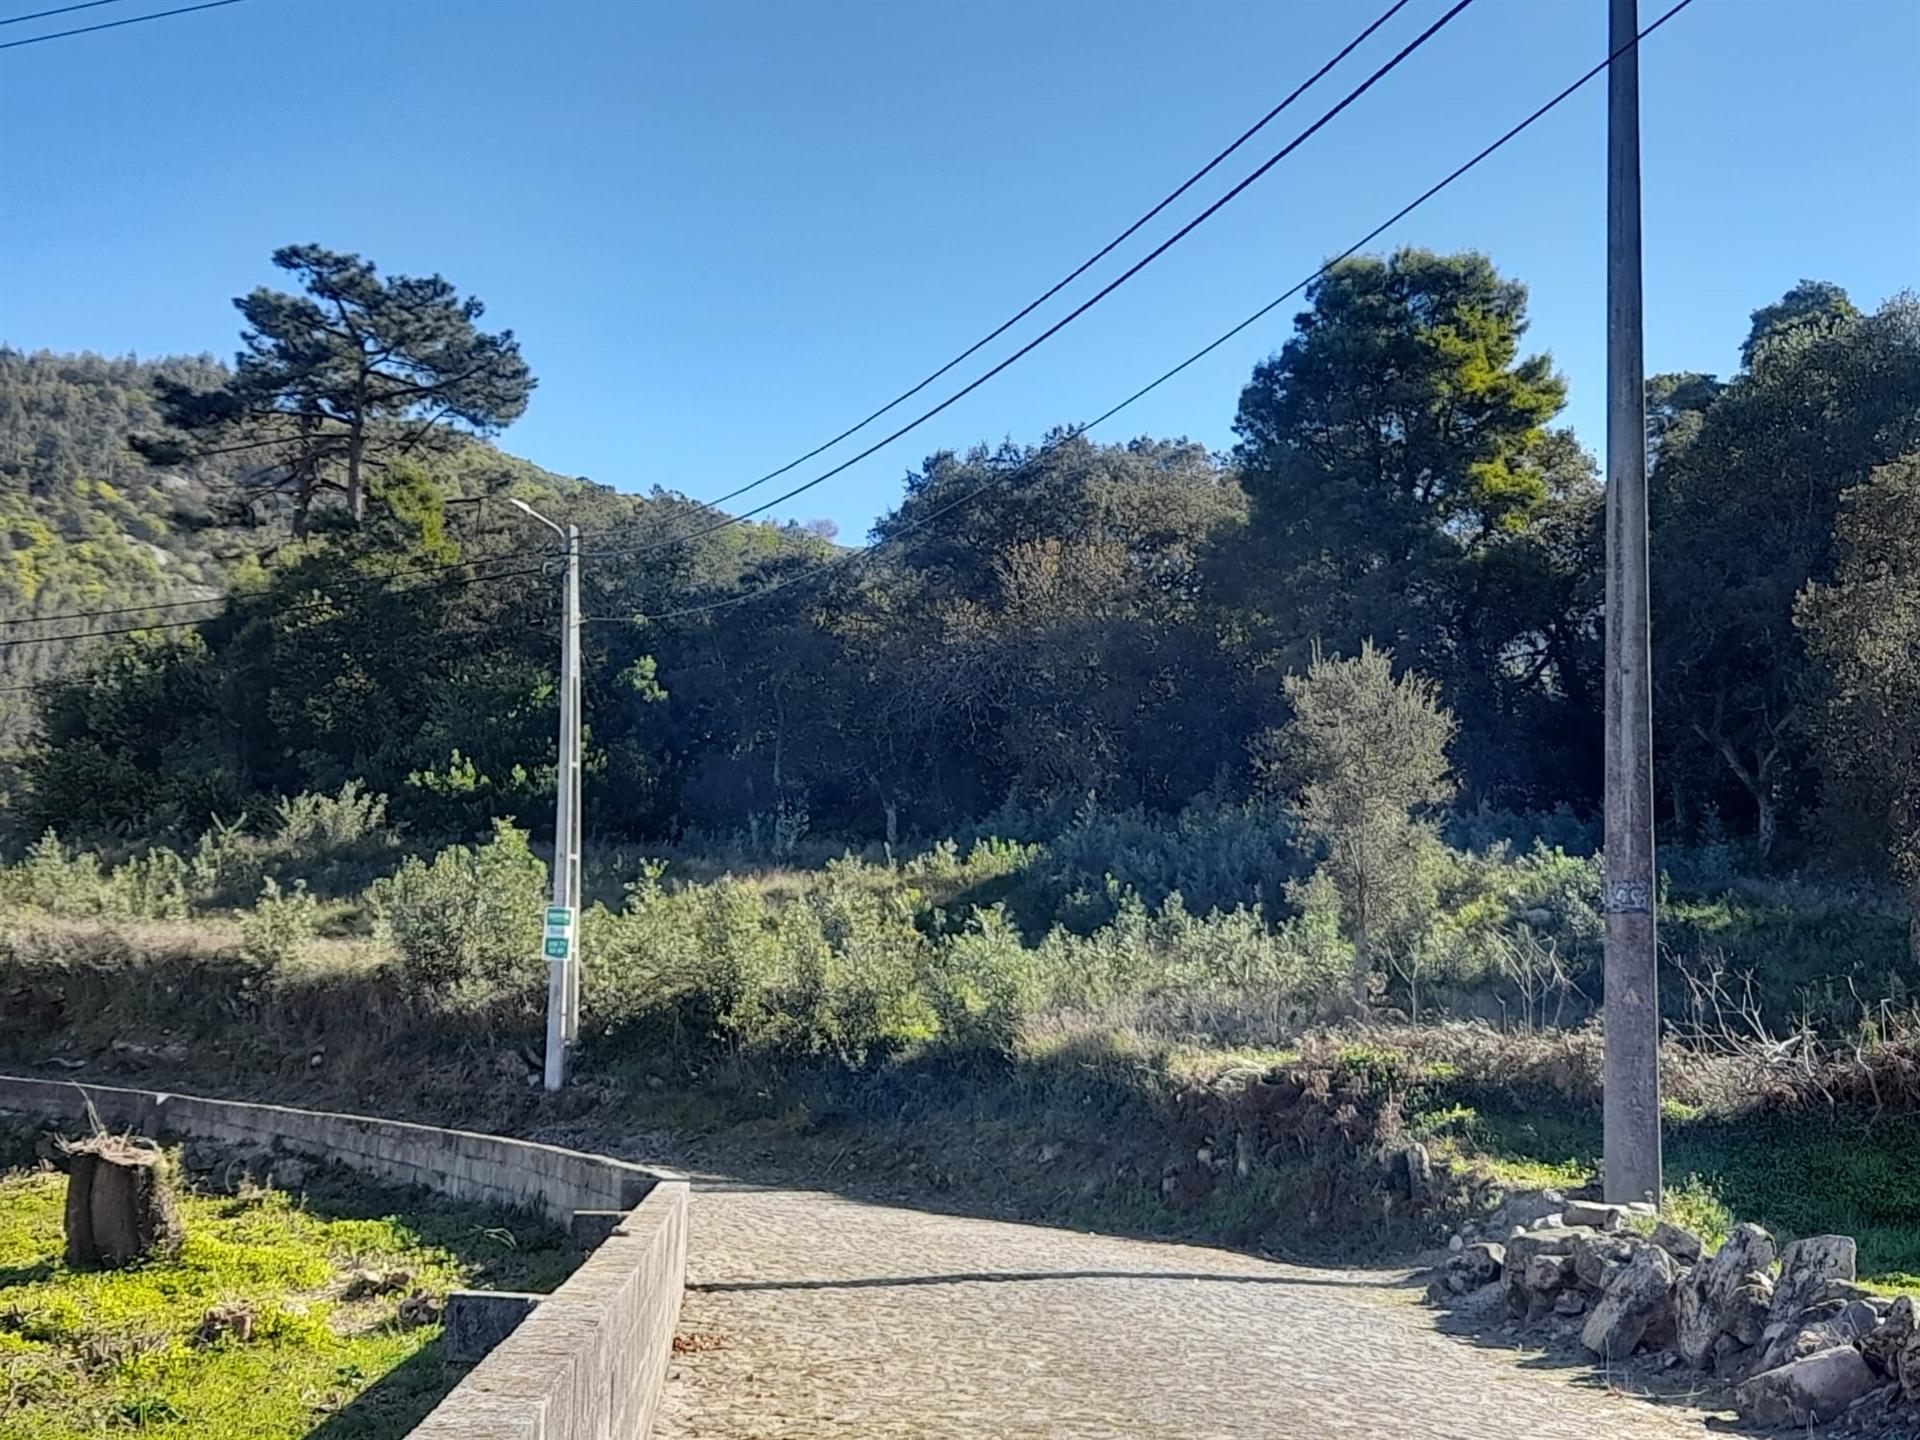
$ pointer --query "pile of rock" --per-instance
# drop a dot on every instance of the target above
(1799, 1344)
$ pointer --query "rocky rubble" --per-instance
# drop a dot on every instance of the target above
(1798, 1342)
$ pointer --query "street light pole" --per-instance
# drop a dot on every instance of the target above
(562, 927)
(1631, 1105)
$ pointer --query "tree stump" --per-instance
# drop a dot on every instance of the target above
(119, 1205)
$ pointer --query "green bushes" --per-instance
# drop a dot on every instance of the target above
(468, 922)
(1217, 856)
(716, 968)
(847, 970)
(279, 925)
(328, 843)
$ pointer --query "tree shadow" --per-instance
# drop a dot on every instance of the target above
(1543, 1348)
(33, 1274)
(1018, 1277)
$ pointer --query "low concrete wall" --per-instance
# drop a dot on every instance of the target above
(589, 1362)
(460, 1163)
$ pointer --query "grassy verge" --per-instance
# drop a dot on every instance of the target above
(1133, 1117)
(87, 1353)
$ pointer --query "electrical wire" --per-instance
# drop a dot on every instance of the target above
(63, 10)
(110, 24)
(1077, 272)
(304, 606)
(868, 551)
(366, 582)
(1071, 315)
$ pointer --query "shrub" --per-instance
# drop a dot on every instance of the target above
(154, 886)
(838, 972)
(53, 879)
(1217, 856)
(469, 921)
(226, 865)
(323, 829)
(279, 925)
(984, 983)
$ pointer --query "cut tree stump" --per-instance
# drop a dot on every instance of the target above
(119, 1205)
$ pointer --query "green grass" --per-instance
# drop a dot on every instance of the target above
(1810, 957)
(92, 1353)
(1809, 1173)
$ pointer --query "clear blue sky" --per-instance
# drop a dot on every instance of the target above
(723, 231)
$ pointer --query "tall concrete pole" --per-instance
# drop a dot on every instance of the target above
(1632, 1103)
(575, 784)
(561, 945)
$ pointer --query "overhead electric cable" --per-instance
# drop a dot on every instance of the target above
(866, 551)
(363, 582)
(62, 10)
(1077, 271)
(1074, 314)
(328, 604)
(112, 24)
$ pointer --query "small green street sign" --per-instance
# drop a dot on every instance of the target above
(557, 947)
(559, 917)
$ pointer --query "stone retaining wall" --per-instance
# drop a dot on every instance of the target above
(588, 1363)
(487, 1169)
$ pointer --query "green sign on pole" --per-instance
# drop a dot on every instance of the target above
(559, 917)
(557, 947)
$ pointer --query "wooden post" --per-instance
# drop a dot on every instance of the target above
(1632, 1101)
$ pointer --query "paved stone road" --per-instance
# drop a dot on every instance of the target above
(812, 1315)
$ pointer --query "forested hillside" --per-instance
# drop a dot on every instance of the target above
(1036, 626)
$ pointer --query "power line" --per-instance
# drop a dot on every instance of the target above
(296, 609)
(1075, 313)
(854, 556)
(1077, 272)
(110, 24)
(63, 10)
(436, 568)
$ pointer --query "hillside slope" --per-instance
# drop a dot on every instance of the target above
(87, 525)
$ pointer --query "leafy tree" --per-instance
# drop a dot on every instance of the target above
(1815, 302)
(1864, 631)
(344, 378)
(1398, 461)
(1743, 511)
(1365, 756)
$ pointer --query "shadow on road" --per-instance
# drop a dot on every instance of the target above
(1007, 1277)
(1543, 1348)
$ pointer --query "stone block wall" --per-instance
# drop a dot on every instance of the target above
(588, 1362)
(486, 1169)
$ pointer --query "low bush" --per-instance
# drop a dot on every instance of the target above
(468, 922)
(277, 928)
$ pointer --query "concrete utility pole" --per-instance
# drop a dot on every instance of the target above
(561, 942)
(1632, 1104)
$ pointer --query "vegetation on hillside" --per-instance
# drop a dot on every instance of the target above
(1111, 772)
(1038, 625)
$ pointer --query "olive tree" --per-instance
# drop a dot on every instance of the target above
(1365, 758)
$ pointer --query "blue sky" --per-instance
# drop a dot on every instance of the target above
(725, 231)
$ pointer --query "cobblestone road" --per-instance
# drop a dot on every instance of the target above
(812, 1315)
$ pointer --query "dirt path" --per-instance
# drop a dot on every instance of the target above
(812, 1315)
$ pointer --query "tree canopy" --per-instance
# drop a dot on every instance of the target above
(1035, 625)
(343, 378)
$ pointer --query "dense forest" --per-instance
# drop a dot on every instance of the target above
(1035, 625)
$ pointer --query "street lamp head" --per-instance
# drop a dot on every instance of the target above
(519, 504)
